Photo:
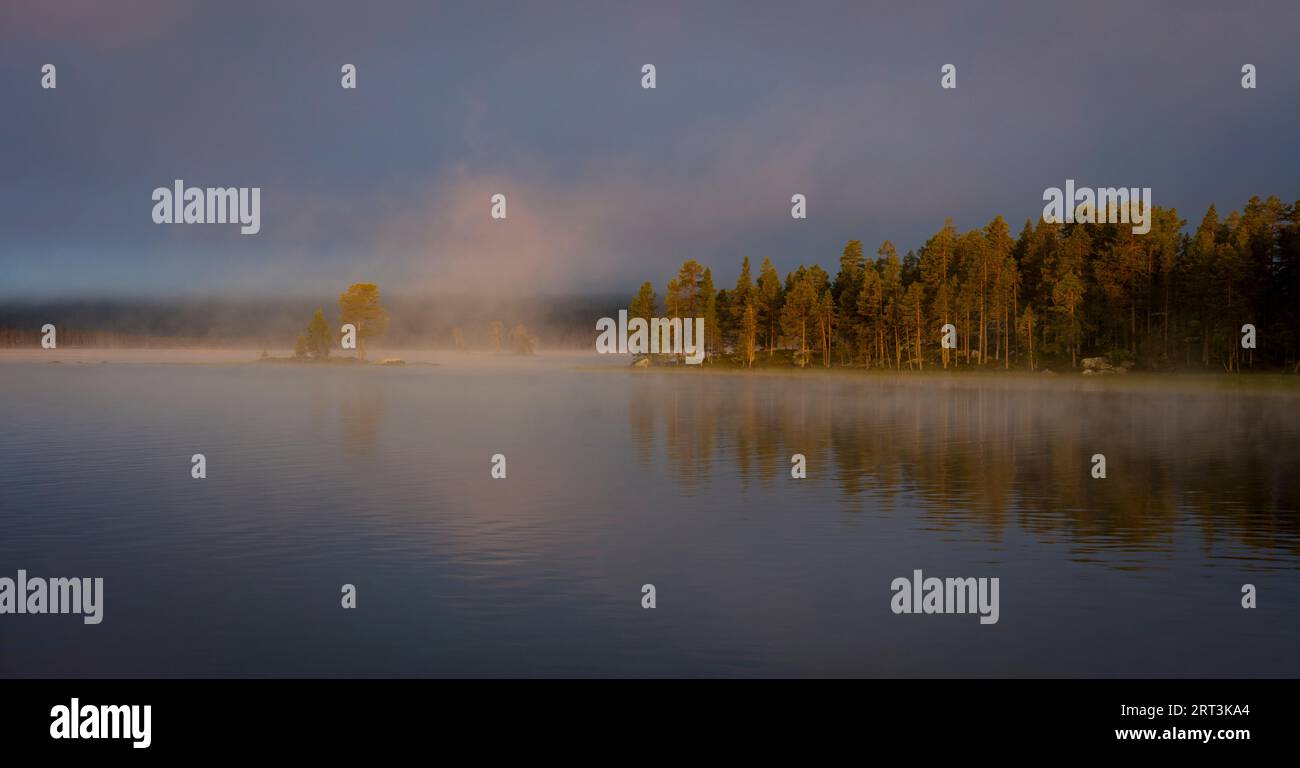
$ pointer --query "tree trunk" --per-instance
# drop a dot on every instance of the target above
(920, 356)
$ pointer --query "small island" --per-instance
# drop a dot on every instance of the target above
(362, 317)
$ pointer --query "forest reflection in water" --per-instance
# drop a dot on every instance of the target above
(380, 477)
(998, 453)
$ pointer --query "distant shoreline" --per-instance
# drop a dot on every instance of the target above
(1189, 380)
(1192, 381)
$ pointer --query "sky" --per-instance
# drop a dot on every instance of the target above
(607, 184)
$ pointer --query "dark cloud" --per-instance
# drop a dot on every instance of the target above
(607, 184)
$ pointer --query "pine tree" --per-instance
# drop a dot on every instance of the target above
(1068, 284)
(319, 337)
(994, 262)
(936, 269)
(709, 297)
(359, 306)
(743, 302)
(769, 302)
(748, 332)
(800, 311)
(891, 297)
(643, 305)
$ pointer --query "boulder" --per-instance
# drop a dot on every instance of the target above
(1100, 365)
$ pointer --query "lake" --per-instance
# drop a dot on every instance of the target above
(380, 477)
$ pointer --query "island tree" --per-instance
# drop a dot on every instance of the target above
(359, 305)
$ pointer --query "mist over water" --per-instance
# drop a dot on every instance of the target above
(320, 476)
(214, 322)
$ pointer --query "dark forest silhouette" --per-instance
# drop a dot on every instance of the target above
(1055, 294)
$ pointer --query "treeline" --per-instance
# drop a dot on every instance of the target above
(1051, 296)
(417, 321)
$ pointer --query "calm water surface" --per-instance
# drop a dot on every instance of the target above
(379, 477)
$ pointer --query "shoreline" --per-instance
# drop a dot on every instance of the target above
(1192, 383)
(1274, 382)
